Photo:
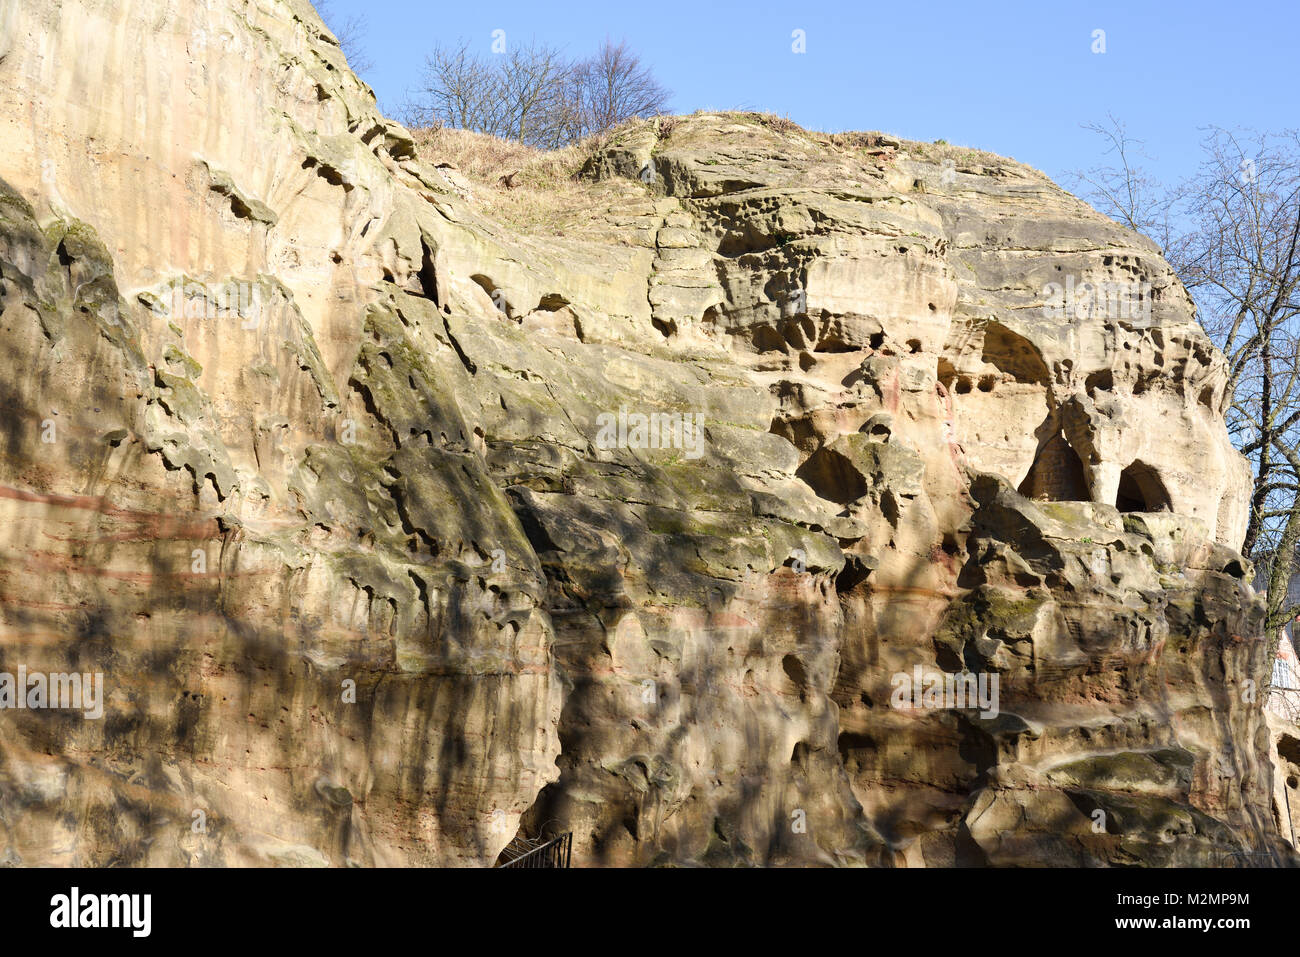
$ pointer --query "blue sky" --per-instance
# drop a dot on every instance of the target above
(1018, 79)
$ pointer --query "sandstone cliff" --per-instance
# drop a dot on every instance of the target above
(308, 451)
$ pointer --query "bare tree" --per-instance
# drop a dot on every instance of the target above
(350, 30)
(1125, 192)
(534, 93)
(1240, 259)
(523, 94)
(1232, 233)
(613, 86)
(534, 87)
(459, 90)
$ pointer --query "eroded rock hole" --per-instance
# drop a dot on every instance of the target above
(794, 670)
(854, 572)
(667, 327)
(1141, 490)
(1057, 474)
(857, 751)
(833, 477)
(1014, 355)
(428, 274)
(1103, 381)
(767, 339)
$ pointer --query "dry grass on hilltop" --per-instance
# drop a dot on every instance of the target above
(544, 196)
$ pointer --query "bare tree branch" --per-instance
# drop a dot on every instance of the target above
(351, 32)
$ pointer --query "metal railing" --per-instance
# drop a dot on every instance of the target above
(557, 852)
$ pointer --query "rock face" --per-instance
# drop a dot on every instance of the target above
(396, 530)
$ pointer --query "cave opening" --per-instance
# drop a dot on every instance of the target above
(1057, 474)
(1140, 490)
(833, 477)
